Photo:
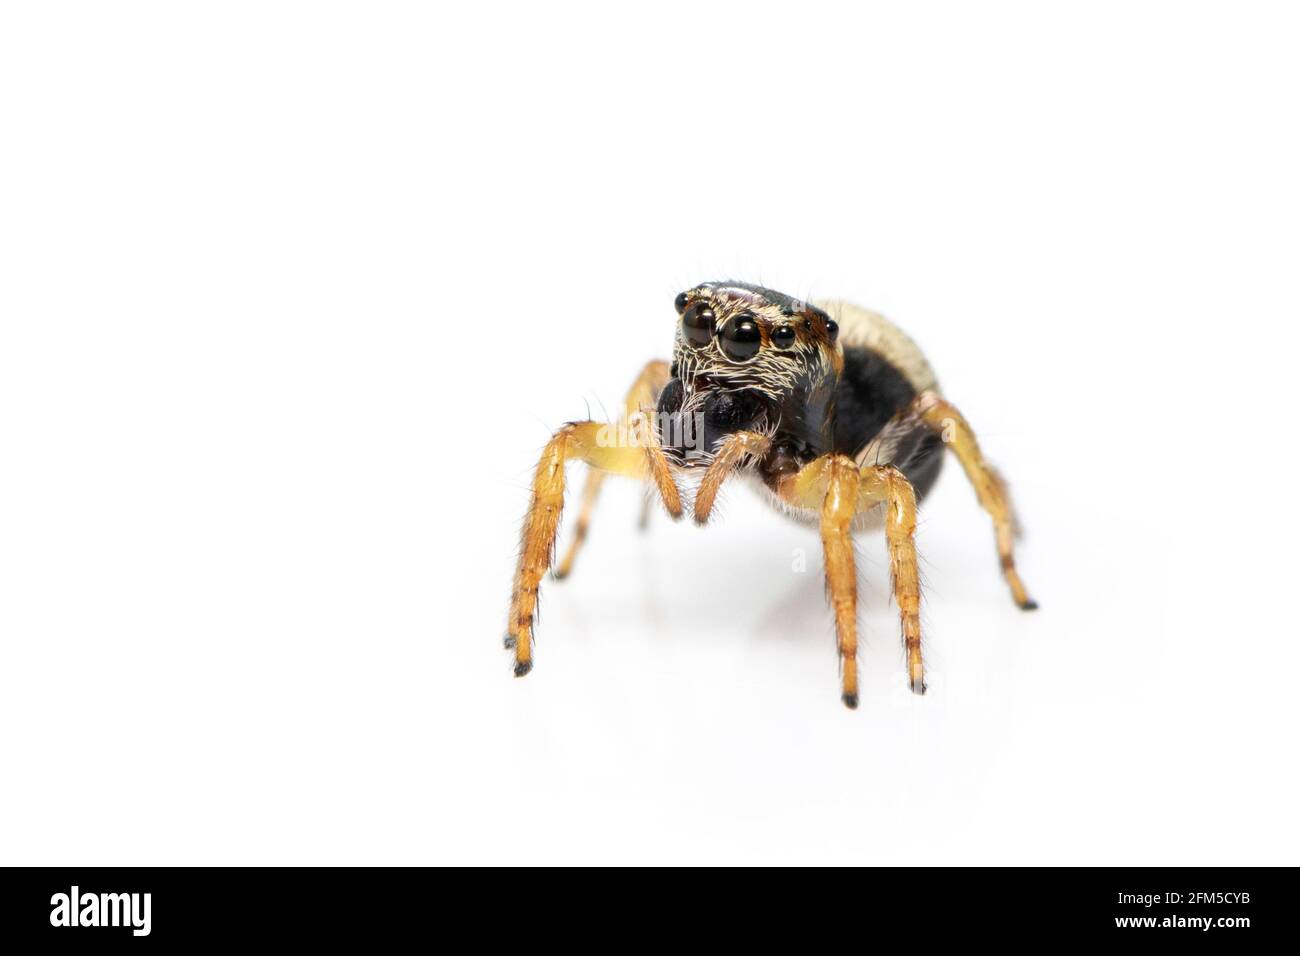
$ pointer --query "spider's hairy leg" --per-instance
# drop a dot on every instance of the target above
(591, 442)
(730, 453)
(990, 489)
(641, 397)
(886, 484)
(590, 492)
(831, 483)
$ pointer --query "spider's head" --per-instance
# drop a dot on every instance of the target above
(747, 359)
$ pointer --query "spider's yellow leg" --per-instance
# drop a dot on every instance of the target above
(732, 449)
(991, 490)
(600, 446)
(838, 508)
(886, 484)
(831, 484)
(590, 492)
(642, 396)
(835, 483)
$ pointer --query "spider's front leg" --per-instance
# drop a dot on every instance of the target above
(885, 484)
(831, 484)
(602, 447)
(836, 485)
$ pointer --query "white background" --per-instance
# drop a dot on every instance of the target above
(293, 295)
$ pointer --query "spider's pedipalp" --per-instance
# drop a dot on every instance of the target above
(731, 452)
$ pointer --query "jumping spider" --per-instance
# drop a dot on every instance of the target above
(831, 411)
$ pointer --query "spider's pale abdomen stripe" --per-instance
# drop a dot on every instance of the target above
(864, 328)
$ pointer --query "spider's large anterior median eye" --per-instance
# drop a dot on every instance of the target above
(698, 323)
(740, 338)
(783, 336)
(832, 330)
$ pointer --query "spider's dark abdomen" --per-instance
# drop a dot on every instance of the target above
(869, 394)
(871, 391)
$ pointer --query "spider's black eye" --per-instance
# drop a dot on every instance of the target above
(832, 329)
(680, 302)
(740, 338)
(698, 323)
(783, 336)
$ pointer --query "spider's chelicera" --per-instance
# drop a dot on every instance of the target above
(830, 409)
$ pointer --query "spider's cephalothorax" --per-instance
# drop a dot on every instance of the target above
(831, 408)
(749, 359)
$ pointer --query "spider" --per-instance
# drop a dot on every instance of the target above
(830, 411)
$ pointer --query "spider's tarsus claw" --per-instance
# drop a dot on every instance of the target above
(560, 574)
(918, 687)
(1028, 604)
(850, 701)
(522, 668)
(508, 642)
